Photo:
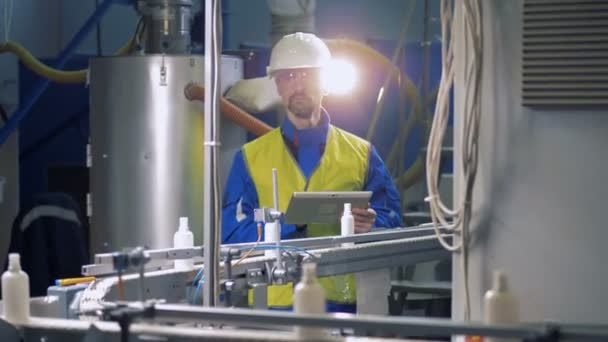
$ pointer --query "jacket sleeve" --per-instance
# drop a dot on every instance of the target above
(240, 199)
(385, 198)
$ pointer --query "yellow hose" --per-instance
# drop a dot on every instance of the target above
(369, 54)
(43, 70)
(355, 48)
(413, 119)
(416, 117)
(336, 46)
(412, 174)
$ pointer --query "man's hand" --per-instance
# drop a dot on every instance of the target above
(364, 219)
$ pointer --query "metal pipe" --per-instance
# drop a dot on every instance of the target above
(330, 241)
(212, 201)
(317, 242)
(53, 329)
(426, 72)
(275, 189)
(240, 117)
(426, 41)
(416, 242)
(63, 58)
(277, 222)
(64, 329)
(397, 325)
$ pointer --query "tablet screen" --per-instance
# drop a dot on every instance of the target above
(323, 206)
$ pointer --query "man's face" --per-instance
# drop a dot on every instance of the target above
(300, 90)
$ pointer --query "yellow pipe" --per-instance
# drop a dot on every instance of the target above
(412, 174)
(353, 47)
(40, 68)
(55, 75)
(417, 116)
(367, 53)
(348, 46)
(73, 281)
(405, 130)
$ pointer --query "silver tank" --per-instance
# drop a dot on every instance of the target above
(147, 148)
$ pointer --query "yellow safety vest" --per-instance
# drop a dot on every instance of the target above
(343, 167)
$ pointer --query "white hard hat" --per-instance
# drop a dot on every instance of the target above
(298, 50)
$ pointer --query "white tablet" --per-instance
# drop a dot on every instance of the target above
(323, 206)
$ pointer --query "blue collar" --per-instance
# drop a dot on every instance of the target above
(308, 136)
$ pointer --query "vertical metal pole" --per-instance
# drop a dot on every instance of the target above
(426, 68)
(212, 200)
(277, 223)
(275, 189)
(426, 62)
(426, 40)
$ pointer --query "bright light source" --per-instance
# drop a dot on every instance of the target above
(340, 77)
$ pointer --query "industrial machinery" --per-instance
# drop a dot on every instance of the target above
(146, 148)
(147, 170)
(139, 296)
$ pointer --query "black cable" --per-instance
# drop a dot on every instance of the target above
(3, 114)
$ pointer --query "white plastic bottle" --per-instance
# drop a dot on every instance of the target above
(347, 223)
(500, 305)
(15, 292)
(309, 298)
(271, 234)
(183, 238)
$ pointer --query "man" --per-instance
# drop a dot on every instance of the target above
(310, 155)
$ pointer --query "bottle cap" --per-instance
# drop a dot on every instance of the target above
(347, 208)
(309, 270)
(183, 223)
(500, 281)
(14, 261)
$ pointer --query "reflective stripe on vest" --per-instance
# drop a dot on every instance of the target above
(343, 167)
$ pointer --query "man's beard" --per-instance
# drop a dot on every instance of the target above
(301, 106)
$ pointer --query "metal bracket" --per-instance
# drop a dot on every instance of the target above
(266, 215)
(228, 284)
(256, 280)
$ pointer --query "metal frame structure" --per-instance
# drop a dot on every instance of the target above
(161, 258)
(212, 201)
(50, 330)
(373, 251)
(376, 250)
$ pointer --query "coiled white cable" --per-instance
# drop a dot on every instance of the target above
(445, 219)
